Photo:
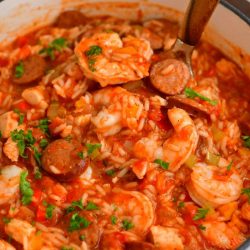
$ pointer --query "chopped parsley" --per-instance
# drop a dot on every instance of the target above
(126, 224)
(25, 189)
(82, 237)
(91, 206)
(113, 219)
(81, 155)
(49, 211)
(1, 135)
(91, 53)
(200, 213)
(110, 172)
(91, 63)
(56, 45)
(190, 93)
(6, 220)
(23, 140)
(162, 163)
(21, 116)
(181, 204)
(74, 205)
(67, 248)
(246, 141)
(230, 166)
(19, 70)
(44, 125)
(94, 50)
(246, 191)
(77, 222)
(201, 227)
(92, 148)
(43, 143)
(37, 154)
(38, 175)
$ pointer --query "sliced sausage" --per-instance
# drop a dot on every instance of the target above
(244, 127)
(169, 76)
(34, 68)
(139, 245)
(61, 159)
(70, 19)
(191, 106)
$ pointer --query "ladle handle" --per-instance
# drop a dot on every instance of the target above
(196, 18)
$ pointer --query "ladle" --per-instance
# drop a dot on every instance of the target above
(171, 74)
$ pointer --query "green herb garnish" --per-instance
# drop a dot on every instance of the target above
(56, 45)
(94, 50)
(126, 224)
(81, 155)
(23, 140)
(82, 237)
(6, 220)
(49, 211)
(19, 70)
(43, 143)
(201, 227)
(230, 166)
(110, 172)
(91, 206)
(25, 189)
(91, 64)
(21, 116)
(91, 148)
(181, 204)
(74, 205)
(246, 191)
(113, 219)
(246, 141)
(44, 126)
(77, 222)
(162, 163)
(38, 175)
(190, 93)
(201, 213)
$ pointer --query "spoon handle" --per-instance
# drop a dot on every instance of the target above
(196, 18)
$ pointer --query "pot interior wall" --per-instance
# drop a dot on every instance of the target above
(225, 29)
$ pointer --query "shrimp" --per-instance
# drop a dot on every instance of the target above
(5, 246)
(135, 208)
(176, 149)
(245, 211)
(221, 235)
(20, 231)
(108, 59)
(208, 187)
(120, 109)
(166, 238)
(9, 183)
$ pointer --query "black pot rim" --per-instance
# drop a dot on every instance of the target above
(240, 8)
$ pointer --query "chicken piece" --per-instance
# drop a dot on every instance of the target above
(8, 122)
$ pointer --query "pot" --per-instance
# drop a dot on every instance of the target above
(227, 30)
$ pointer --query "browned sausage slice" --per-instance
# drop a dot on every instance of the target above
(61, 159)
(34, 67)
(244, 127)
(138, 245)
(191, 106)
(169, 76)
(70, 19)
